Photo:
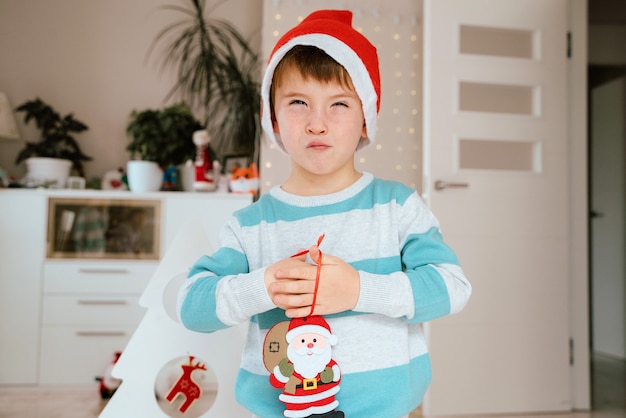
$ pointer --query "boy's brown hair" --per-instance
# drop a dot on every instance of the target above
(312, 63)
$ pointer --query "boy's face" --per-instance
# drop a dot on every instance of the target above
(320, 123)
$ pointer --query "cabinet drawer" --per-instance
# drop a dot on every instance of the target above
(105, 309)
(104, 277)
(75, 356)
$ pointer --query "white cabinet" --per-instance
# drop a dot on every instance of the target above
(22, 242)
(64, 310)
(90, 310)
(97, 277)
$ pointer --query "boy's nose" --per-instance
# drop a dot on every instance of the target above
(316, 125)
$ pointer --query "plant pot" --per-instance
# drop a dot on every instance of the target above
(50, 172)
(187, 176)
(144, 176)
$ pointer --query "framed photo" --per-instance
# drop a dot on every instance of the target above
(232, 161)
(75, 182)
(104, 228)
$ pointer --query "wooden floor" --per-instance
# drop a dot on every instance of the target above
(609, 398)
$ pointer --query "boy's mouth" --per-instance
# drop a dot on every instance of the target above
(316, 145)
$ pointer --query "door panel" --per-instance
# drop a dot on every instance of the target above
(508, 352)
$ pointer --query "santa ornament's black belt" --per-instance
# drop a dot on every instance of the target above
(311, 384)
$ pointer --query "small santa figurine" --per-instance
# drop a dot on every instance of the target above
(108, 383)
(308, 376)
(205, 179)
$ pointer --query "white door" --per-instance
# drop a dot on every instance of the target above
(495, 140)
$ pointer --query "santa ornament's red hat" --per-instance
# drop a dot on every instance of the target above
(310, 325)
(332, 32)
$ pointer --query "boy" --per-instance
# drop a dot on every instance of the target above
(385, 268)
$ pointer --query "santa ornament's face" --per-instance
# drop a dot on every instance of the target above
(309, 353)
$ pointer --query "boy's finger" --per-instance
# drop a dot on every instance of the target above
(302, 272)
(314, 252)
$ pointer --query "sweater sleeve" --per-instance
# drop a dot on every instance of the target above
(438, 285)
(431, 283)
(220, 291)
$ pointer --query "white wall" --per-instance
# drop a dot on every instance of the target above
(89, 58)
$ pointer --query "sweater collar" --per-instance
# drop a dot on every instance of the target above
(321, 200)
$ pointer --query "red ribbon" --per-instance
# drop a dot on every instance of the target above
(319, 271)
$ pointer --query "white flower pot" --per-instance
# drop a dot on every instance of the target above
(52, 172)
(187, 176)
(144, 176)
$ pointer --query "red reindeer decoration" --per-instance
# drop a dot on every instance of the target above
(186, 386)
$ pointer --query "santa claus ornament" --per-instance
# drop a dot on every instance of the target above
(298, 355)
(301, 365)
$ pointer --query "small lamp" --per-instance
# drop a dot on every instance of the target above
(8, 127)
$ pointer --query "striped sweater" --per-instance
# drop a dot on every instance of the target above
(408, 276)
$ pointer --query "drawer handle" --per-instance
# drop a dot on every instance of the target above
(100, 333)
(102, 302)
(103, 271)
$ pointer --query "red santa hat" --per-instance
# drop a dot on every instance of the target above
(332, 32)
(310, 325)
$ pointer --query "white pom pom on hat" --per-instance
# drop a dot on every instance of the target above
(332, 32)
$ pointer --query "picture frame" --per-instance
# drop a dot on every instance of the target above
(75, 182)
(232, 161)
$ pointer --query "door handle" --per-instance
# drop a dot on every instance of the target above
(595, 214)
(441, 185)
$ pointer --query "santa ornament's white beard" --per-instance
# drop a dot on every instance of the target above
(307, 365)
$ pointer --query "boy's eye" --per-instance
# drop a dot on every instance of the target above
(297, 102)
(344, 104)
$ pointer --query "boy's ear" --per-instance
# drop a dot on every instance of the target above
(275, 126)
(364, 131)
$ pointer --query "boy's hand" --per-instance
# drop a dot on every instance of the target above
(291, 284)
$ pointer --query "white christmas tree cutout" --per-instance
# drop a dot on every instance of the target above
(161, 368)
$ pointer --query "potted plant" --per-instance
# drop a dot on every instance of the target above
(218, 75)
(57, 149)
(162, 137)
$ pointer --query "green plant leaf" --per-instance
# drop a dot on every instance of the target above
(163, 135)
(217, 74)
(57, 140)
